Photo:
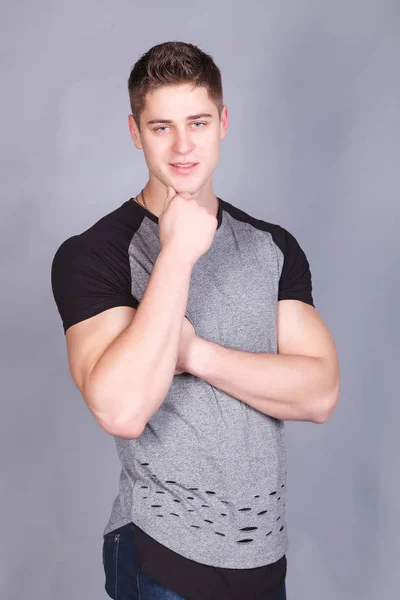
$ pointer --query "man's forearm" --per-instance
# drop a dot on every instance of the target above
(286, 387)
(133, 376)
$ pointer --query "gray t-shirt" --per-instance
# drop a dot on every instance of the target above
(207, 477)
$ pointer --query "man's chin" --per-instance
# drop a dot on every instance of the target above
(188, 188)
(183, 184)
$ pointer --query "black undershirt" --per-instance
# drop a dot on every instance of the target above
(195, 581)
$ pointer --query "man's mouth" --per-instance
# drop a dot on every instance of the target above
(183, 168)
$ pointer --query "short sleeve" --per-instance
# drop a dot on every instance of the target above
(295, 282)
(88, 279)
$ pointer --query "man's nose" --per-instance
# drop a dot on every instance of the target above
(183, 143)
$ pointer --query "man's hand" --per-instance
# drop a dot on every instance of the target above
(186, 226)
(188, 335)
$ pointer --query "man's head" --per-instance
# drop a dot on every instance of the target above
(177, 82)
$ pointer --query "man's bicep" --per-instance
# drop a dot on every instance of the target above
(301, 331)
(89, 339)
(91, 287)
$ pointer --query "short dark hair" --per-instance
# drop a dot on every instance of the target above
(173, 63)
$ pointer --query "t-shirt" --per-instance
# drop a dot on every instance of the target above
(205, 482)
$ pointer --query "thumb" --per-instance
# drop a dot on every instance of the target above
(170, 194)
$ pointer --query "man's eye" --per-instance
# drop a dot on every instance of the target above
(163, 127)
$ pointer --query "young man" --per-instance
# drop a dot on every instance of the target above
(192, 335)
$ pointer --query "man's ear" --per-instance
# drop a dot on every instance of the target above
(224, 122)
(134, 130)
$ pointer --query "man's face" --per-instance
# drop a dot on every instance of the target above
(191, 134)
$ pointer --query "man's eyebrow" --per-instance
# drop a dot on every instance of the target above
(191, 117)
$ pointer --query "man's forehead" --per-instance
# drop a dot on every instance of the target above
(177, 102)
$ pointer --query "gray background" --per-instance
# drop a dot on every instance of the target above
(312, 89)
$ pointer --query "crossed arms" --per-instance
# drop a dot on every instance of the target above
(301, 382)
(123, 359)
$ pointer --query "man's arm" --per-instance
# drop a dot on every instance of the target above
(300, 382)
(124, 371)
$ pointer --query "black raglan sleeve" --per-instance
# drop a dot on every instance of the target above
(295, 282)
(89, 278)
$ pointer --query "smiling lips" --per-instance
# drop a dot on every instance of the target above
(183, 168)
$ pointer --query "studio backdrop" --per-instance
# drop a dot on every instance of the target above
(313, 93)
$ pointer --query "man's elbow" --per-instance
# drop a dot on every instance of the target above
(325, 408)
(127, 431)
(111, 418)
(127, 427)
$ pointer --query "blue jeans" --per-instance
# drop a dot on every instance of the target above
(123, 578)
